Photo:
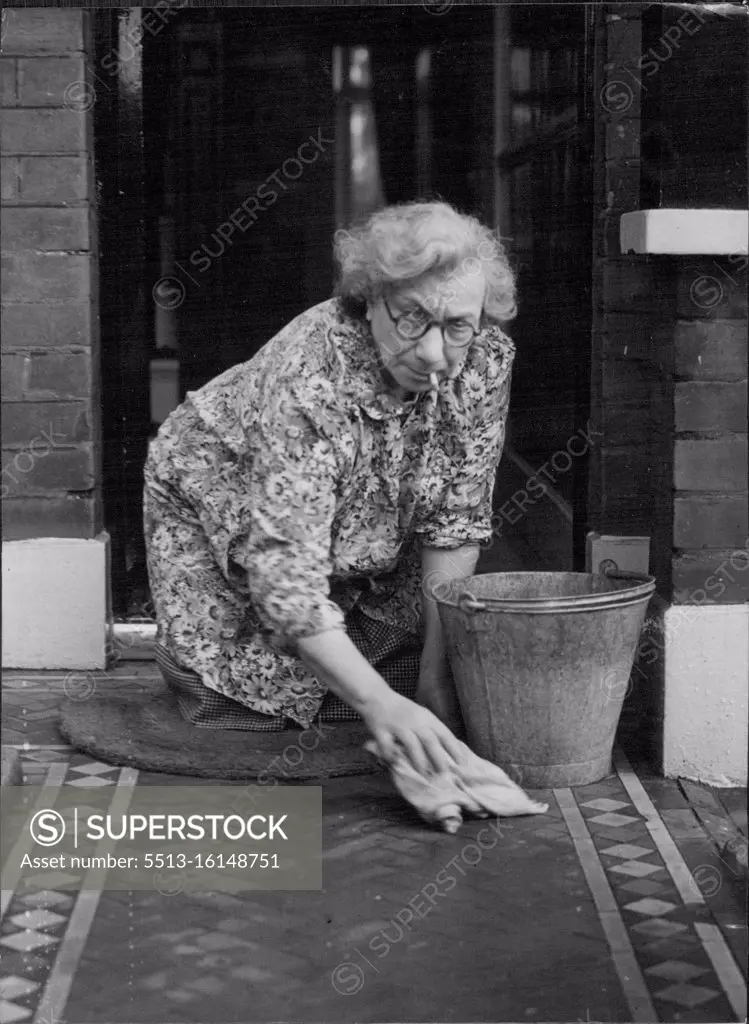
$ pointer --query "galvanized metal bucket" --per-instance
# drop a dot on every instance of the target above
(541, 662)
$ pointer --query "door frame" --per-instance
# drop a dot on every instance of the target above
(126, 315)
(583, 132)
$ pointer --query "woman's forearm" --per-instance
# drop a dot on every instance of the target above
(441, 566)
(436, 689)
(398, 725)
(336, 661)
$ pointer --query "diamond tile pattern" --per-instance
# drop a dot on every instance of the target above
(612, 819)
(636, 868)
(675, 970)
(687, 995)
(605, 805)
(46, 755)
(46, 898)
(36, 919)
(650, 907)
(26, 941)
(658, 928)
(619, 834)
(10, 1012)
(683, 943)
(50, 879)
(643, 887)
(626, 851)
(209, 956)
(93, 768)
(12, 987)
(90, 782)
(180, 996)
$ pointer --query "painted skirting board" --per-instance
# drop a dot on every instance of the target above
(55, 607)
(707, 679)
(685, 232)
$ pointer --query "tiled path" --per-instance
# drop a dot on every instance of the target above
(613, 907)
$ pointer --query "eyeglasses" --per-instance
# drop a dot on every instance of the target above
(416, 322)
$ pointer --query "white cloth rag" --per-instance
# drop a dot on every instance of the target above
(471, 786)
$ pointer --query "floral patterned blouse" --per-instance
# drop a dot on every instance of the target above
(293, 487)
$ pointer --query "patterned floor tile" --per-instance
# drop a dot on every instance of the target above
(215, 941)
(644, 887)
(13, 987)
(658, 928)
(636, 868)
(39, 918)
(609, 787)
(664, 946)
(46, 755)
(201, 957)
(612, 819)
(48, 880)
(717, 1010)
(675, 970)
(627, 851)
(155, 982)
(93, 768)
(180, 995)
(91, 781)
(208, 986)
(10, 1012)
(249, 973)
(636, 833)
(687, 995)
(605, 805)
(27, 940)
(650, 907)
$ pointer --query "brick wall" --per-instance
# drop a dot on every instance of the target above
(669, 369)
(50, 478)
(669, 353)
(633, 300)
(710, 526)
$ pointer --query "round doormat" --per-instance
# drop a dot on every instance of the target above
(151, 734)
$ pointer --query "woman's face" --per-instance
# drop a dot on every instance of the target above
(452, 302)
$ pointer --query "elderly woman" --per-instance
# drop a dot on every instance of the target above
(299, 506)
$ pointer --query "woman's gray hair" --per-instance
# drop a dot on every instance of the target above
(400, 243)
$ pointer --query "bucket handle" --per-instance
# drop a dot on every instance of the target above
(610, 569)
(468, 603)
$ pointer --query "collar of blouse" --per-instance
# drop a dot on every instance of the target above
(362, 376)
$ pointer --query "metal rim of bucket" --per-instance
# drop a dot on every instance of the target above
(641, 590)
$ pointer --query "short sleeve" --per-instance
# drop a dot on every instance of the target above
(291, 488)
(472, 436)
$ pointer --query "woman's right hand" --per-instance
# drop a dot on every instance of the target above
(397, 722)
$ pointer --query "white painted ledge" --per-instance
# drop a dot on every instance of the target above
(706, 679)
(685, 232)
(55, 603)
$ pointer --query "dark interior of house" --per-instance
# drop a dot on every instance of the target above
(214, 233)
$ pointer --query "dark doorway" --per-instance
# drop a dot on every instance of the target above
(545, 164)
(230, 145)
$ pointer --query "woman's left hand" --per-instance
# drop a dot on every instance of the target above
(436, 691)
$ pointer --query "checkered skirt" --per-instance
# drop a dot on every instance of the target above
(394, 652)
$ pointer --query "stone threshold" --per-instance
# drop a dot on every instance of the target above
(133, 641)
